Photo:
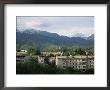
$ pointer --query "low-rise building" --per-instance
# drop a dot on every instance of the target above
(22, 58)
(52, 59)
(41, 59)
(54, 53)
(24, 51)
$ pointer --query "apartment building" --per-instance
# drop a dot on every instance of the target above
(75, 62)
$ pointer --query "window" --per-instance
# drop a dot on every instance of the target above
(84, 63)
(79, 67)
(84, 70)
(84, 66)
(73, 66)
(63, 63)
(83, 59)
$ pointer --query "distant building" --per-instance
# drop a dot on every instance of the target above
(23, 50)
(52, 59)
(22, 58)
(75, 62)
(54, 53)
(41, 59)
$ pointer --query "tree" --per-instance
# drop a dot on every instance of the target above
(33, 60)
(89, 71)
(33, 51)
(46, 60)
(90, 53)
(80, 51)
(37, 52)
(51, 55)
(53, 64)
(66, 52)
(18, 50)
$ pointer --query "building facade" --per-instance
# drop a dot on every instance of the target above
(22, 58)
(54, 53)
(75, 62)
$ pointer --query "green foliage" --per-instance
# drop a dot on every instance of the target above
(33, 59)
(51, 55)
(18, 50)
(66, 52)
(33, 67)
(46, 60)
(80, 51)
(89, 71)
(33, 51)
(37, 52)
(90, 51)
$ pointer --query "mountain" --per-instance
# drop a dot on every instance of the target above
(43, 39)
(79, 35)
(91, 37)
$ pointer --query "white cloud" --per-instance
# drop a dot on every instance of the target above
(75, 30)
(67, 26)
(33, 24)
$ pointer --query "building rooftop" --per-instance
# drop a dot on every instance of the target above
(77, 56)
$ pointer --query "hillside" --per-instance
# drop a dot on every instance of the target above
(44, 40)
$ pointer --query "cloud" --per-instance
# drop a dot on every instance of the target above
(68, 26)
(33, 24)
(75, 30)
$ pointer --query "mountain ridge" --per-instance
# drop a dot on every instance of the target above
(42, 39)
(37, 31)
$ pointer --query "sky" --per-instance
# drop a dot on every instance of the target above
(62, 25)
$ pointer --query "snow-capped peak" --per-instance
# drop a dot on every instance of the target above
(78, 35)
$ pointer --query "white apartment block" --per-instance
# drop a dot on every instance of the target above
(75, 62)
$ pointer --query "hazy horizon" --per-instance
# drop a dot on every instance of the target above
(62, 25)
